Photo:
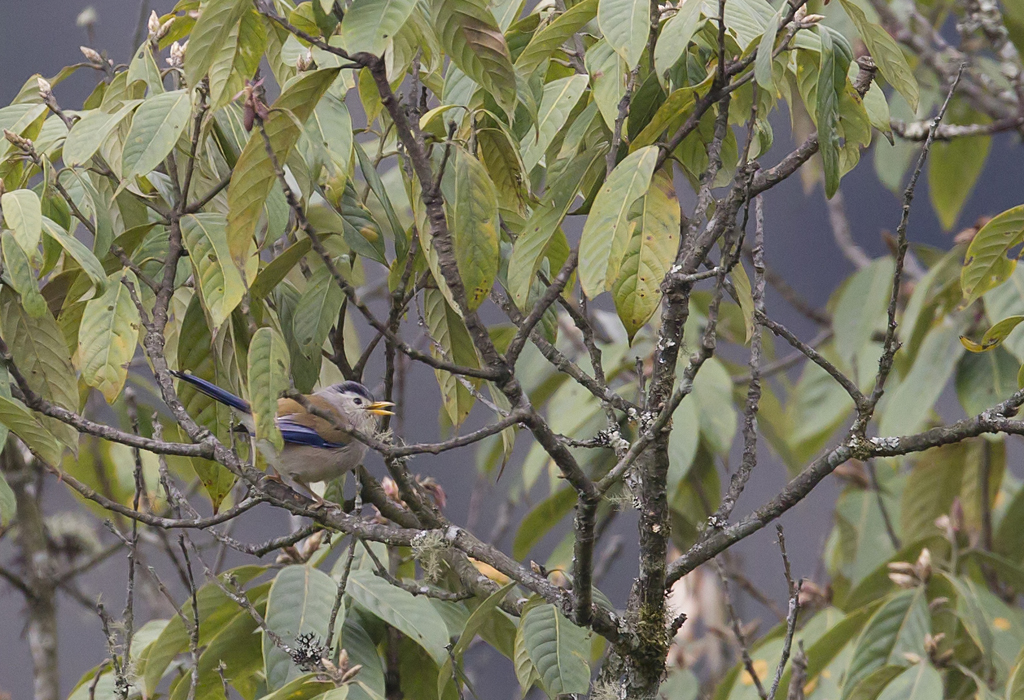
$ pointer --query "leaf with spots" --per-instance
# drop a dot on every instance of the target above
(109, 335)
(156, 127)
(651, 250)
(269, 376)
(221, 284)
(475, 228)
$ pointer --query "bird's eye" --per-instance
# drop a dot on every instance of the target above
(359, 402)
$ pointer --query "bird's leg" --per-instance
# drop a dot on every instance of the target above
(320, 502)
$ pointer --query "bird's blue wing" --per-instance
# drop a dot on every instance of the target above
(296, 434)
(214, 392)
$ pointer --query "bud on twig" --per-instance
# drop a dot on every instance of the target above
(177, 57)
(45, 89)
(91, 55)
(153, 25)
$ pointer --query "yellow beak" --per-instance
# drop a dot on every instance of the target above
(380, 408)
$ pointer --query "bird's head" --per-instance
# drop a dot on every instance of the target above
(354, 399)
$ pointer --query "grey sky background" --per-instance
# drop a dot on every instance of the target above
(41, 36)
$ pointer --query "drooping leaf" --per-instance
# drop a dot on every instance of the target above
(91, 131)
(109, 335)
(560, 96)
(213, 27)
(550, 38)
(827, 111)
(954, 168)
(157, 124)
(20, 274)
(608, 76)
(474, 624)
(414, 616)
(651, 250)
(317, 311)
(986, 265)
(300, 602)
(206, 238)
(269, 376)
(558, 649)
(889, 58)
(471, 38)
(539, 521)
(370, 25)
(23, 213)
(20, 422)
(452, 343)
(475, 228)
(39, 350)
(545, 219)
(675, 37)
(899, 626)
(77, 251)
(930, 489)
(765, 49)
(626, 25)
(606, 231)
(253, 177)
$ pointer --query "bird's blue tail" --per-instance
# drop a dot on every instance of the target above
(214, 391)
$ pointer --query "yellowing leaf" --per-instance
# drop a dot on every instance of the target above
(475, 228)
(269, 376)
(986, 265)
(369, 25)
(560, 96)
(253, 177)
(22, 277)
(205, 237)
(451, 342)
(23, 213)
(547, 40)
(651, 250)
(626, 25)
(471, 37)
(109, 335)
(606, 231)
(216, 20)
(994, 336)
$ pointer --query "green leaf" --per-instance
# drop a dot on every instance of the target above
(18, 269)
(253, 177)
(827, 112)
(608, 76)
(953, 169)
(899, 626)
(986, 265)
(217, 18)
(475, 228)
(39, 350)
(143, 68)
(1015, 685)
(765, 49)
(369, 25)
(932, 485)
(670, 114)
(558, 648)
(277, 269)
(23, 213)
(300, 602)
(20, 422)
(539, 521)
(529, 247)
(77, 251)
(8, 503)
(526, 672)
(206, 238)
(860, 309)
(269, 376)
(549, 39)
(471, 38)
(378, 189)
(560, 96)
(712, 387)
(606, 231)
(626, 25)
(330, 128)
(889, 58)
(651, 250)
(477, 620)
(982, 381)
(413, 616)
(109, 335)
(89, 133)
(912, 400)
(317, 311)
(453, 343)
(155, 129)
(675, 38)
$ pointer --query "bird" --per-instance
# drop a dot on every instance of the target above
(315, 448)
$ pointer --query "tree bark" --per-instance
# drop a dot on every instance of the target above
(41, 604)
